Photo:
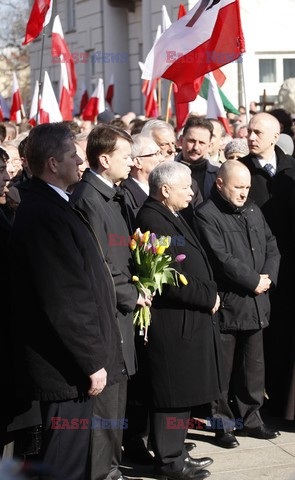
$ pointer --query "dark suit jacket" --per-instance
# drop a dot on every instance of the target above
(134, 195)
(106, 212)
(273, 194)
(64, 318)
(183, 337)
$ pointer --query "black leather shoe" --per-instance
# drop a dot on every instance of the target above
(226, 439)
(199, 463)
(186, 473)
(189, 446)
(262, 432)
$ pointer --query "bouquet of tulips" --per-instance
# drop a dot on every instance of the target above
(153, 270)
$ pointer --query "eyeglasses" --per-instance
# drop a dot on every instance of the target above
(156, 154)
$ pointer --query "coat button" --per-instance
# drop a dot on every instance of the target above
(124, 371)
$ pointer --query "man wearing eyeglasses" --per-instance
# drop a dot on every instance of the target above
(146, 155)
(163, 134)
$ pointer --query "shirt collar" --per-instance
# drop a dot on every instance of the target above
(104, 180)
(59, 191)
(143, 186)
(272, 161)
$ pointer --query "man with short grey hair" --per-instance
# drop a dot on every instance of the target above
(146, 155)
(183, 322)
(164, 135)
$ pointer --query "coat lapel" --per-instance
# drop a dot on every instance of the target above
(181, 226)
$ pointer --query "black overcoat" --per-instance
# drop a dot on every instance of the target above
(107, 215)
(183, 338)
(64, 316)
(134, 194)
(274, 196)
(240, 247)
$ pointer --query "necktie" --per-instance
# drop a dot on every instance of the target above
(269, 169)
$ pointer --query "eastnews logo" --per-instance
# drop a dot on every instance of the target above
(205, 57)
(93, 57)
(211, 423)
(59, 423)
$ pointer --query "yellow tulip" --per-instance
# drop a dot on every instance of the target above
(133, 244)
(146, 236)
(165, 241)
(183, 279)
(135, 278)
(160, 250)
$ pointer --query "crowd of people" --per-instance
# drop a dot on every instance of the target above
(82, 385)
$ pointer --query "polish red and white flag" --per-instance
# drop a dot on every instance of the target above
(49, 109)
(60, 48)
(40, 17)
(65, 98)
(110, 91)
(34, 105)
(84, 98)
(16, 108)
(96, 103)
(207, 37)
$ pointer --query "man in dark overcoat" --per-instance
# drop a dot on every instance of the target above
(272, 184)
(67, 339)
(183, 368)
(97, 197)
(245, 260)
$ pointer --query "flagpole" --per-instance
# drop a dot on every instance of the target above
(40, 74)
(159, 97)
(168, 101)
(244, 88)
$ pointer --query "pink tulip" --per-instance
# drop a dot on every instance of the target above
(180, 258)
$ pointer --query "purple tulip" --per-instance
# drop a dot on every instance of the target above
(180, 258)
(153, 238)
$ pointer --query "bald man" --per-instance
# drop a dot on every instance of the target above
(245, 260)
(272, 183)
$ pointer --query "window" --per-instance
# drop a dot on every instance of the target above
(289, 68)
(71, 14)
(267, 70)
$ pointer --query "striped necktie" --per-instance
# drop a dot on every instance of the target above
(269, 169)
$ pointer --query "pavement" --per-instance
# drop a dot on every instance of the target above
(254, 459)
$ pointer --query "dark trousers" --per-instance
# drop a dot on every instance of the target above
(106, 438)
(168, 443)
(243, 359)
(65, 450)
(138, 398)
